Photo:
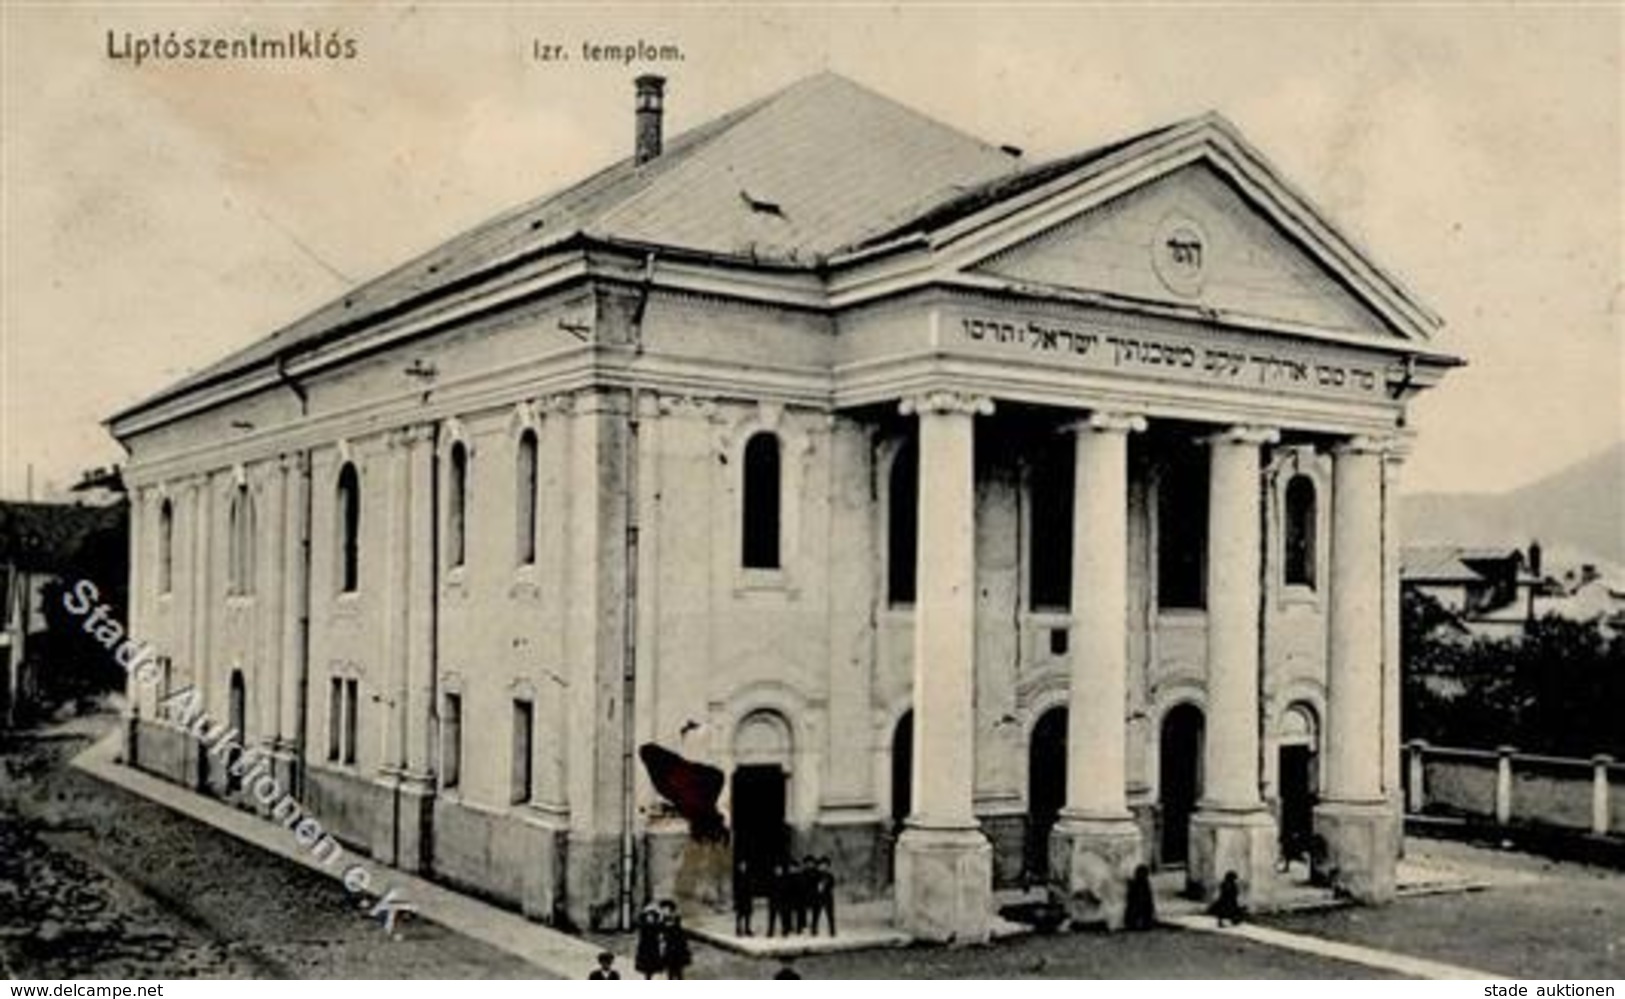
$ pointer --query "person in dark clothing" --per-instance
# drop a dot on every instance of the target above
(778, 900)
(806, 877)
(674, 949)
(823, 895)
(744, 899)
(1227, 908)
(647, 960)
(605, 970)
(1140, 908)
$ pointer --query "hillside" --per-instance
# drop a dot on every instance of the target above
(1580, 508)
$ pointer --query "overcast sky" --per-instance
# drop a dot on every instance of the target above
(157, 217)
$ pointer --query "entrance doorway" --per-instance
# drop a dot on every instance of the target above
(1046, 788)
(1179, 779)
(759, 798)
(237, 715)
(902, 771)
(759, 839)
(1296, 778)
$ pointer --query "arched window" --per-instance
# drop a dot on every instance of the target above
(525, 500)
(240, 544)
(761, 503)
(349, 519)
(457, 507)
(166, 546)
(1300, 531)
(902, 537)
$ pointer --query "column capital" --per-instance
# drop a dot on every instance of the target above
(943, 402)
(1244, 434)
(1376, 444)
(412, 435)
(1107, 422)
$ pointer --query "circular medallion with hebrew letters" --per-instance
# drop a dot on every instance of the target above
(1179, 255)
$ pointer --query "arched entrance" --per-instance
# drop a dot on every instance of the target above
(762, 753)
(902, 770)
(1298, 742)
(1046, 787)
(237, 714)
(1179, 778)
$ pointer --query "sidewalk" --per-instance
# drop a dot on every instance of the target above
(549, 951)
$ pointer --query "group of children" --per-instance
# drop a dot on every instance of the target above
(799, 896)
(662, 942)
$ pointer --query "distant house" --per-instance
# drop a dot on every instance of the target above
(1589, 591)
(1490, 591)
(40, 543)
(1496, 592)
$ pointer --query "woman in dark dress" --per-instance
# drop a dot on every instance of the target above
(647, 959)
(1140, 910)
(1227, 907)
(674, 944)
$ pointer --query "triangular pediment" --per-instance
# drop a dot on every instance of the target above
(1189, 238)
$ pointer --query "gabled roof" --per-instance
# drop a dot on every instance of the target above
(812, 177)
(787, 180)
(1455, 564)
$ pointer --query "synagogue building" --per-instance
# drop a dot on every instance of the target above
(983, 522)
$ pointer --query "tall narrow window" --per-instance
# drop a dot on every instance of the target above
(351, 689)
(1300, 532)
(335, 718)
(522, 722)
(761, 503)
(525, 502)
(902, 532)
(349, 518)
(451, 741)
(166, 547)
(240, 544)
(457, 507)
(1182, 501)
(1049, 542)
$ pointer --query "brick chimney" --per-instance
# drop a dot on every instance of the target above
(651, 92)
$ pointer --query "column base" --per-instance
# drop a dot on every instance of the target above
(1362, 848)
(403, 828)
(944, 885)
(1223, 841)
(285, 767)
(1090, 863)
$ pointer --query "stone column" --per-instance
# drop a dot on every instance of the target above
(944, 865)
(1392, 667)
(141, 580)
(403, 832)
(418, 658)
(202, 596)
(272, 569)
(1232, 830)
(289, 758)
(1357, 822)
(1095, 845)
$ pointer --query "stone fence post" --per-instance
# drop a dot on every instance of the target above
(1416, 776)
(1503, 785)
(1599, 793)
